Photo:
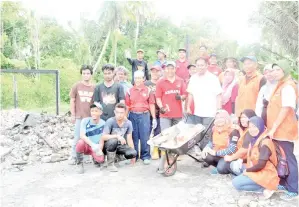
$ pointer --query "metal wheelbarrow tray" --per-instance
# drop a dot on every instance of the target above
(177, 140)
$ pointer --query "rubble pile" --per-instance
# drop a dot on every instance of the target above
(30, 138)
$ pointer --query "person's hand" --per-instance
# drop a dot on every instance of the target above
(95, 147)
(73, 119)
(211, 152)
(178, 97)
(270, 134)
(227, 158)
(163, 110)
(188, 110)
(122, 140)
(154, 123)
(133, 161)
(127, 54)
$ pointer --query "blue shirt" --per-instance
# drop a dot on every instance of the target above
(158, 62)
(92, 130)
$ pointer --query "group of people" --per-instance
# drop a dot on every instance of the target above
(255, 124)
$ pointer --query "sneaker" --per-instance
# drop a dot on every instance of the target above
(268, 193)
(146, 161)
(281, 188)
(289, 196)
(214, 171)
(80, 167)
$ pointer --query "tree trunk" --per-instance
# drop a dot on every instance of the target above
(102, 52)
(137, 31)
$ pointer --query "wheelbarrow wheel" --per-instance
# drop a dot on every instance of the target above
(170, 171)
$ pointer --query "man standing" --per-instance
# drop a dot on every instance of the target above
(81, 97)
(141, 104)
(182, 65)
(205, 90)
(249, 86)
(138, 64)
(90, 134)
(170, 92)
(108, 93)
(213, 67)
(120, 128)
(121, 75)
(151, 84)
(161, 58)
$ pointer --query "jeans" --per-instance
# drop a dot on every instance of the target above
(205, 121)
(212, 160)
(168, 122)
(291, 182)
(141, 125)
(76, 137)
(158, 128)
(125, 150)
(244, 183)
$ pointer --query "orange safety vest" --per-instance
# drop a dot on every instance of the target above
(220, 139)
(267, 177)
(248, 93)
(288, 129)
(241, 139)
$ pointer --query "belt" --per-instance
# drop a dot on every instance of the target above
(138, 112)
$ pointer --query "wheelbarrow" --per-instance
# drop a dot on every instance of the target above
(178, 140)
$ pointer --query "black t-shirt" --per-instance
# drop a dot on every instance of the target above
(108, 97)
(138, 65)
(152, 87)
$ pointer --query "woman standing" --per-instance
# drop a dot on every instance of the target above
(260, 174)
(230, 91)
(283, 126)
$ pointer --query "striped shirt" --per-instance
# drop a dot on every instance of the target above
(92, 130)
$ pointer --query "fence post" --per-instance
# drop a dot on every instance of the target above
(57, 87)
(15, 92)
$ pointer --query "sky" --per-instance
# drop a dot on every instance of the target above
(232, 15)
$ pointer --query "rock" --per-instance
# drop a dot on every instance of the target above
(16, 137)
(19, 162)
(25, 158)
(253, 204)
(4, 151)
(46, 159)
(244, 202)
(55, 157)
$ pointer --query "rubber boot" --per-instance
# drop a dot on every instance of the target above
(110, 159)
(79, 163)
(155, 154)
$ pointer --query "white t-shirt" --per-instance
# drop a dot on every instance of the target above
(205, 90)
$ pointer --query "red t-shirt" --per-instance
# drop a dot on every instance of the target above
(139, 99)
(167, 92)
(182, 70)
(215, 69)
(229, 105)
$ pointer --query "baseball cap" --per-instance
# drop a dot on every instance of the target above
(170, 63)
(140, 50)
(213, 55)
(253, 58)
(96, 104)
(182, 49)
(138, 73)
(157, 67)
(189, 66)
(161, 51)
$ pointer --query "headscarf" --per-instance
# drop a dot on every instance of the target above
(285, 66)
(249, 113)
(225, 115)
(260, 124)
(228, 85)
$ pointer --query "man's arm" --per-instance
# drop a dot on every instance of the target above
(159, 102)
(107, 130)
(146, 71)
(121, 94)
(72, 107)
(96, 94)
(219, 104)
(190, 100)
(86, 139)
(153, 110)
(130, 140)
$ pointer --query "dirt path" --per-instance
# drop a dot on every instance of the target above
(57, 184)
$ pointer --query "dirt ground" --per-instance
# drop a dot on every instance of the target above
(58, 184)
